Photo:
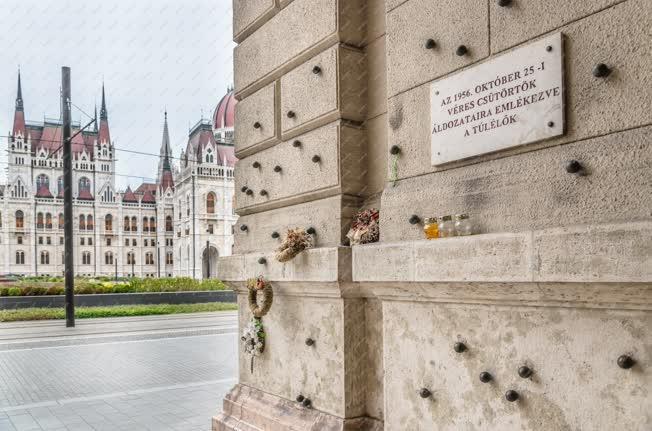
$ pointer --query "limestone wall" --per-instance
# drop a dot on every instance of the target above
(558, 277)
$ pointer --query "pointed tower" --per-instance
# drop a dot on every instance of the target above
(19, 113)
(164, 178)
(104, 135)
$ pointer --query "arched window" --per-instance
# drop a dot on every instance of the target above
(60, 186)
(152, 224)
(61, 221)
(169, 259)
(149, 259)
(89, 222)
(84, 185)
(20, 258)
(131, 259)
(42, 181)
(82, 222)
(209, 156)
(126, 223)
(168, 224)
(45, 258)
(86, 258)
(145, 224)
(134, 224)
(108, 223)
(39, 221)
(48, 221)
(108, 258)
(20, 219)
(210, 203)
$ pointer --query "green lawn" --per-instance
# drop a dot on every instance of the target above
(114, 311)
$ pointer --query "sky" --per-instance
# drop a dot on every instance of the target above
(150, 54)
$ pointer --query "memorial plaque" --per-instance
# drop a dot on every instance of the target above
(514, 99)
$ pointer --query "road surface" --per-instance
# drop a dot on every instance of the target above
(134, 373)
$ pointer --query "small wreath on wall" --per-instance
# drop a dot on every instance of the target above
(260, 299)
(261, 296)
(295, 241)
(365, 227)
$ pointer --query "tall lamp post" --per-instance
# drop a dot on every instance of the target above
(133, 262)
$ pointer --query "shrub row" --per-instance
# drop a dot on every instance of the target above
(97, 286)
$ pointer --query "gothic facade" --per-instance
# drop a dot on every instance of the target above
(177, 226)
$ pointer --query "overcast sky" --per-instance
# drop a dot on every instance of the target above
(151, 54)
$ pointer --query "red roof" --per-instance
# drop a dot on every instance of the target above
(167, 181)
(19, 122)
(104, 135)
(129, 196)
(85, 194)
(223, 116)
(148, 197)
(49, 138)
(144, 187)
(43, 192)
(200, 137)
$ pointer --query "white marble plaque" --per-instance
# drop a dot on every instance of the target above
(514, 99)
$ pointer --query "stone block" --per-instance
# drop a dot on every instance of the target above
(256, 121)
(377, 78)
(293, 35)
(617, 253)
(248, 15)
(573, 354)
(598, 253)
(594, 106)
(326, 264)
(531, 190)
(338, 90)
(449, 23)
(331, 218)
(523, 20)
(288, 367)
(291, 174)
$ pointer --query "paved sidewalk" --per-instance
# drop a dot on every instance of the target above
(158, 374)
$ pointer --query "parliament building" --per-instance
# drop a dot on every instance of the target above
(177, 226)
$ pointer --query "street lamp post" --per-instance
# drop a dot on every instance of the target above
(133, 262)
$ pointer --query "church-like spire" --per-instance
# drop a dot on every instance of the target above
(164, 178)
(103, 112)
(104, 135)
(19, 95)
(95, 123)
(19, 113)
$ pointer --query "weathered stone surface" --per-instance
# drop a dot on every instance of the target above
(375, 19)
(375, 371)
(296, 33)
(259, 108)
(531, 191)
(605, 253)
(331, 218)
(573, 354)
(526, 19)
(377, 78)
(339, 90)
(249, 15)
(377, 155)
(326, 264)
(340, 148)
(449, 23)
(271, 413)
(594, 106)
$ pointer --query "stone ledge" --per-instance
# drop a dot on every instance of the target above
(604, 253)
(246, 408)
(326, 265)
